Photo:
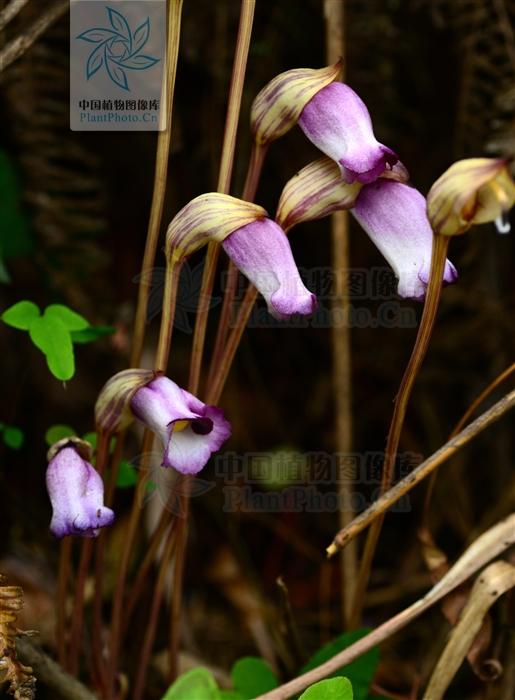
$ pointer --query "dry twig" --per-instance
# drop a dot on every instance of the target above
(496, 580)
(421, 472)
(17, 47)
(10, 12)
(488, 546)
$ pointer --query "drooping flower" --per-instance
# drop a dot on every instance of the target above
(394, 216)
(337, 121)
(76, 492)
(472, 191)
(256, 244)
(262, 252)
(189, 429)
(278, 105)
(318, 190)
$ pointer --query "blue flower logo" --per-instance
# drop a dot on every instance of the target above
(119, 48)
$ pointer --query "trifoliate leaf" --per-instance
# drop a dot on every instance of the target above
(21, 315)
(71, 320)
(50, 335)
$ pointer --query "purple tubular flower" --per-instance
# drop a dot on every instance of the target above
(337, 121)
(262, 252)
(76, 492)
(394, 216)
(189, 429)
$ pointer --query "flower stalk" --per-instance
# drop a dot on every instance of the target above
(160, 178)
(255, 168)
(224, 180)
(334, 13)
(224, 184)
(438, 261)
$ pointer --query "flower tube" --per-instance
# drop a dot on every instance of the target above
(76, 492)
(394, 216)
(262, 252)
(337, 121)
(189, 430)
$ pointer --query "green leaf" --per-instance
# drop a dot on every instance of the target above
(331, 689)
(127, 475)
(88, 335)
(21, 315)
(252, 676)
(51, 336)
(71, 320)
(13, 437)
(197, 684)
(360, 672)
(58, 432)
(230, 695)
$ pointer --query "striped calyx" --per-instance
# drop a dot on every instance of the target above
(319, 190)
(472, 191)
(279, 104)
(112, 409)
(314, 192)
(82, 447)
(208, 217)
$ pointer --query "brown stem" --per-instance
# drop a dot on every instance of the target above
(65, 553)
(160, 178)
(224, 184)
(255, 167)
(214, 391)
(78, 607)
(10, 12)
(82, 574)
(459, 425)
(199, 334)
(334, 13)
(119, 593)
(224, 180)
(48, 672)
(388, 499)
(173, 272)
(438, 258)
(97, 641)
(18, 46)
(150, 632)
(488, 546)
(161, 362)
(150, 556)
(178, 571)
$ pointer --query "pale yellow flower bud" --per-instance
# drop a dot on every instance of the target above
(471, 191)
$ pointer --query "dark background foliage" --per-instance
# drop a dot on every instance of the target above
(437, 76)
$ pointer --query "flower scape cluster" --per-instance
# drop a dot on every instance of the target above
(356, 173)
